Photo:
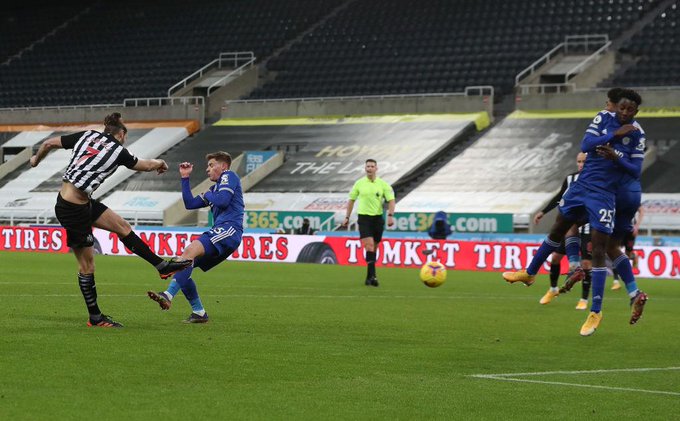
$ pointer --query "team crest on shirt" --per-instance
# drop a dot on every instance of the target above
(224, 179)
(625, 140)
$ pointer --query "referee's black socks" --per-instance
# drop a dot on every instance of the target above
(370, 261)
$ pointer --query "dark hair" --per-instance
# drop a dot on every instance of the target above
(631, 95)
(113, 124)
(372, 160)
(614, 95)
(220, 156)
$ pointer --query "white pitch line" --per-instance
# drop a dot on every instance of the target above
(611, 370)
(287, 296)
(508, 377)
(455, 296)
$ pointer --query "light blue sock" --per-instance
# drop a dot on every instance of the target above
(546, 248)
(599, 278)
(573, 247)
(625, 270)
(189, 290)
(173, 289)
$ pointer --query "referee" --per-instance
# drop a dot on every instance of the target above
(372, 192)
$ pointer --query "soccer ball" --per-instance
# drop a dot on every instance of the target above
(433, 274)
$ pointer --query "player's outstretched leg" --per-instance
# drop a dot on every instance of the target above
(173, 266)
(549, 296)
(519, 276)
(637, 304)
(527, 276)
(591, 324)
(577, 275)
(102, 321)
(161, 298)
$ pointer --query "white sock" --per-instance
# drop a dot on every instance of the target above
(167, 294)
(554, 289)
(200, 313)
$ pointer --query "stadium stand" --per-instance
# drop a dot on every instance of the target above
(405, 47)
(21, 26)
(29, 194)
(322, 156)
(331, 48)
(661, 176)
(656, 50)
(359, 48)
(513, 168)
(145, 49)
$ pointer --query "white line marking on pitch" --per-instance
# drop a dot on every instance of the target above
(511, 377)
(285, 296)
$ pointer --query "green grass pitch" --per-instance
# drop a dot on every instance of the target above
(311, 342)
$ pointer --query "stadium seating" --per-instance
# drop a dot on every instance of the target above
(658, 48)
(145, 48)
(401, 46)
(28, 192)
(366, 48)
(22, 23)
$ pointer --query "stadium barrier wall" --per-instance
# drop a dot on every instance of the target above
(15, 162)
(594, 99)
(404, 104)
(143, 109)
(490, 256)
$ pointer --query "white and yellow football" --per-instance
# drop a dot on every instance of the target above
(433, 274)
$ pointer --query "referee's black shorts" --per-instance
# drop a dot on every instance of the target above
(77, 220)
(371, 226)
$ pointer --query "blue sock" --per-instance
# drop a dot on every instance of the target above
(189, 290)
(598, 281)
(625, 270)
(173, 288)
(546, 248)
(573, 247)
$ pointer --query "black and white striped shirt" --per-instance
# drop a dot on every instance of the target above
(95, 157)
(552, 204)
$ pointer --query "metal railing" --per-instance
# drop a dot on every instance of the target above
(238, 70)
(15, 216)
(229, 58)
(587, 41)
(162, 101)
(127, 102)
(543, 60)
(546, 88)
(570, 42)
(587, 62)
(328, 224)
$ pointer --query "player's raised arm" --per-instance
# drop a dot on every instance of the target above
(146, 165)
(45, 148)
(596, 133)
(190, 201)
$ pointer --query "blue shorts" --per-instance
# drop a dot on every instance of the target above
(219, 243)
(627, 204)
(580, 204)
